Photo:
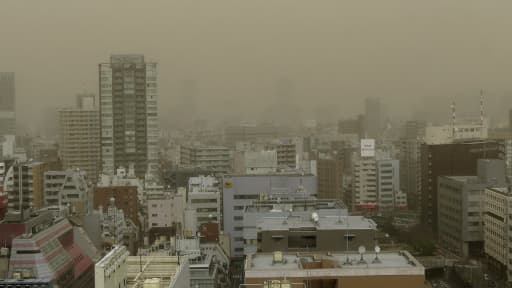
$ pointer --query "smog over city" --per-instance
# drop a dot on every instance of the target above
(255, 143)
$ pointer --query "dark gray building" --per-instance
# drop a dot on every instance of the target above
(461, 207)
(128, 114)
(256, 214)
(327, 233)
(7, 104)
(373, 117)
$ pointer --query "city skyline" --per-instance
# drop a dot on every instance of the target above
(213, 44)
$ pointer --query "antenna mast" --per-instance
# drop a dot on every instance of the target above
(453, 119)
(482, 107)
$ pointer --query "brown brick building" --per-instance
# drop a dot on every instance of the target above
(126, 199)
(330, 179)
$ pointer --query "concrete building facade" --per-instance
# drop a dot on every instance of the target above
(497, 233)
(79, 132)
(128, 114)
(461, 207)
(110, 271)
(366, 270)
(410, 171)
(454, 159)
(241, 190)
(205, 198)
(70, 189)
(216, 159)
(259, 210)
(28, 186)
(7, 104)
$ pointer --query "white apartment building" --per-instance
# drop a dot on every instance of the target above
(290, 152)
(68, 188)
(388, 184)
(365, 184)
(167, 210)
(111, 270)
(217, 159)
(159, 211)
(255, 162)
(498, 229)
(376, 185)
(241, 190)
(204, 197)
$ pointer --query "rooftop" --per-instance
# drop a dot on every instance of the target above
(332, 264)
(162, 267)
(322, 223)
(309, 204)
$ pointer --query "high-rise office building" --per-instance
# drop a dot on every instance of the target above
(372, 117)
(128, 114)
(410, 171)
(7, 104)
(79, 142)
(414, 129)
(454, 159)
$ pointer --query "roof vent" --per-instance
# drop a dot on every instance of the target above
(278, 257)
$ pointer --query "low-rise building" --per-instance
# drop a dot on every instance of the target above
(68, 188)
(259, 210)
(110, 271)
(326, 233)
(367, 269)
(241, 190)
(157, 271)
(51, 252)
(216, 159)
(204, 197)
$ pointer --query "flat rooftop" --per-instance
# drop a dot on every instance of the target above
(261, 265)
(324, 223)
(161, 267)
(304, 204)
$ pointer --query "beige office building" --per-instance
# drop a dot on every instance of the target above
(79, 137)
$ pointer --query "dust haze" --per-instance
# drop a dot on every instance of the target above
(279, 60)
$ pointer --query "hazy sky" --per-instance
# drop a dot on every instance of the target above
(332, 53)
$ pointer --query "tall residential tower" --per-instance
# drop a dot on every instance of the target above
(128, 114)
(7, 104)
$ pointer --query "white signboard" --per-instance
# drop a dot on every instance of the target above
(367, 147)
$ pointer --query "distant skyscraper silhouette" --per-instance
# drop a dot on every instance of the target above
(7, 104)
(372, 117)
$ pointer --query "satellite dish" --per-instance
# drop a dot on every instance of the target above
(377, 251)
(361, 250)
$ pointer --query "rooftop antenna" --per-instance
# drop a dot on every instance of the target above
(482, 108)
(453, 119)
(347, 261)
